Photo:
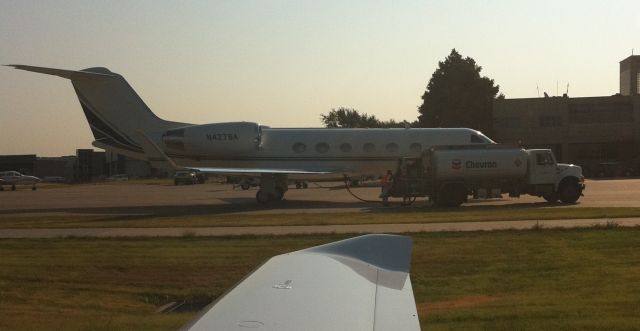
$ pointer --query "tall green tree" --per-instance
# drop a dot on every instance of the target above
(350, 118)
(458, 96)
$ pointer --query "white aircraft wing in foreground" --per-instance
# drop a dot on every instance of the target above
(361, 283)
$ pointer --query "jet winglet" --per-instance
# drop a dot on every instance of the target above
(385, 251)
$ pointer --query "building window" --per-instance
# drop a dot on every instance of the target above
(596, 113)
(369, 147)
(322, 148)
(299, 148)
(392, 147)
(345, 147)
(550, 121)
(415, 147)
(508, 122)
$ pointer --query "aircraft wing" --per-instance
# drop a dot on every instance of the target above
(360, 283)
(257, 171)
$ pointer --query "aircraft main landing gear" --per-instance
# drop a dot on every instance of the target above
(262, 196)
(272, 188)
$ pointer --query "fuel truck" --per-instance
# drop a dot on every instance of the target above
(449, 175)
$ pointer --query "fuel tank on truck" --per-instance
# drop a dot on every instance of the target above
(479, 163)
(234, 138)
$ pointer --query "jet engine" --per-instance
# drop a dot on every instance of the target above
(232, 138)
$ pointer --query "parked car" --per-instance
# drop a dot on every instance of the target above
(202, 177)
(185, 177)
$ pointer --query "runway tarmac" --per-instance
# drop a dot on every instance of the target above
(163, 199)
(132, 198)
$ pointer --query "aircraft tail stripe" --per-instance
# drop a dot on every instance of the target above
(85, 102)
(102, 130)
(97, 124)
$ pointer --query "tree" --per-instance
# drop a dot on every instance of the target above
(351, 118)
(457, 96)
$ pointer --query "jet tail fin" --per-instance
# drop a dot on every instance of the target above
(68, 74)
(113, 109)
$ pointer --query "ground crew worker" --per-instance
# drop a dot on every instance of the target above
(386, 183)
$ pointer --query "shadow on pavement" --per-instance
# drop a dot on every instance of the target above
(248, 205)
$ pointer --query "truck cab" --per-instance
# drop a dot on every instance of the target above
(554, 181)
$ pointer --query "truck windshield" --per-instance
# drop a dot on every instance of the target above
(480, 139)
(544, 158)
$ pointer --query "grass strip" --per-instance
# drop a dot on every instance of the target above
(380, 216)
(503, 280)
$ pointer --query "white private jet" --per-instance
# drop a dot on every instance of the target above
(13, 178)
(122, 122)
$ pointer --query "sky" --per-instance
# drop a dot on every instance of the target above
(283, 63)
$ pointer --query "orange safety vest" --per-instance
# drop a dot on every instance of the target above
(386, 179)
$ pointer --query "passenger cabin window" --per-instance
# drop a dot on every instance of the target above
(322, 147)
(544, 159)
(415, 147)
(299, 148)
(345, 147)
(369, 147)
(475, 139)
(392, 147)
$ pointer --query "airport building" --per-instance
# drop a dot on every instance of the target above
(25, 164)
(86, 166)
(602, 134)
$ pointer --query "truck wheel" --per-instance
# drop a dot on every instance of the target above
(569, 191)
(298, 185)
(451, 196)
(245, 186)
